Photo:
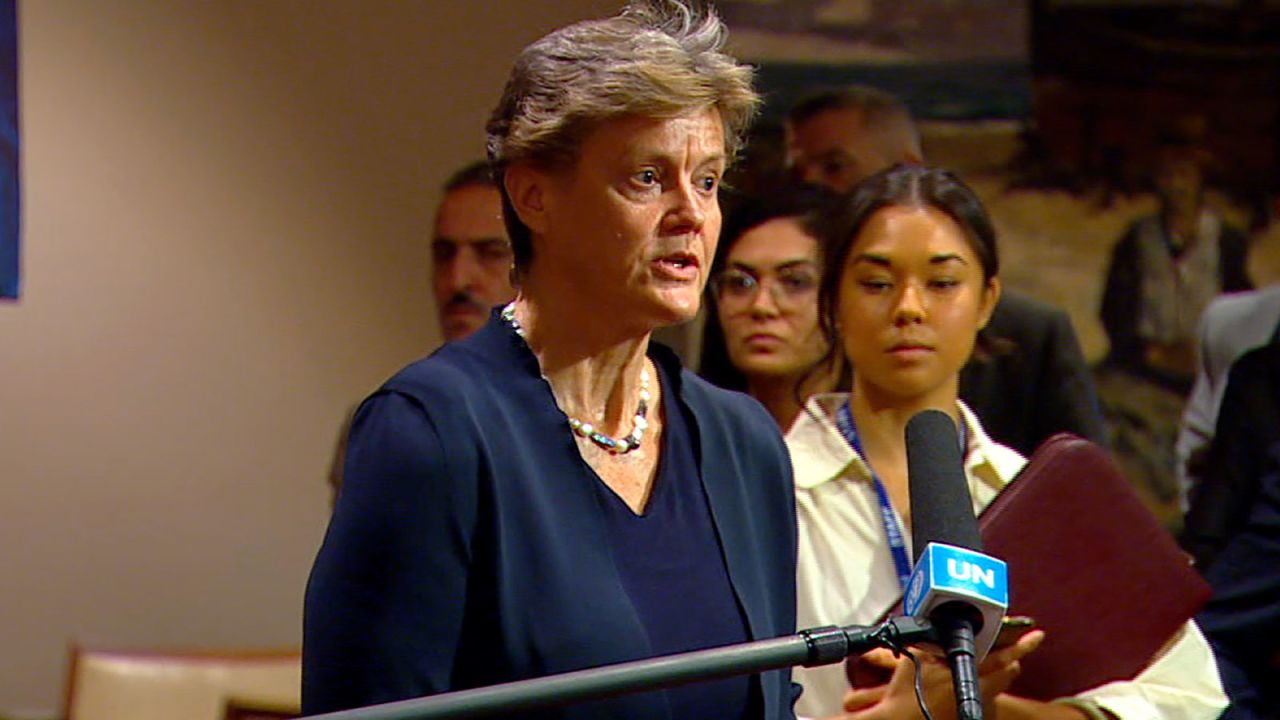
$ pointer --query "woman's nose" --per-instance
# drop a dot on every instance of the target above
(910, 307)
(763, 302)
(689, 213)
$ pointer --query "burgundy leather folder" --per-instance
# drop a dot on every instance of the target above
(1091, 564)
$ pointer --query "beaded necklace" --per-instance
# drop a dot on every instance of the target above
(615, 446)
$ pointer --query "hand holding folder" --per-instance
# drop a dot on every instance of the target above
(1092, 565)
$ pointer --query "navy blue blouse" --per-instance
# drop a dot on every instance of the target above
(671, 567)
(468, 546)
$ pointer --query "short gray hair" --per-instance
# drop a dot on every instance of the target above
(658, 58)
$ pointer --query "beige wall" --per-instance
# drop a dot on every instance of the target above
(226, 204)
(225, 212)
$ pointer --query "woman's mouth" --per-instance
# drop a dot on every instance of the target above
(910, 351)
(682, 267)
(762, 341)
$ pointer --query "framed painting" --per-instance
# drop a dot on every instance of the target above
(948, 61)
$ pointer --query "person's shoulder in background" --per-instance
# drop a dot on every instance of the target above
(1236, 322)
(1036, 383)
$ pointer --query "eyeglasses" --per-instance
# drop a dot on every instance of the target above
(790, 286)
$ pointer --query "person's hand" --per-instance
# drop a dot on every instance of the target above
(895, 699)
(1001, 659)
(872, 668)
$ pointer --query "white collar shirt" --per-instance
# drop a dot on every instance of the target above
(846, 573)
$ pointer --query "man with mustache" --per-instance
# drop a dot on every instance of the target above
(471, 256)
(470, 269)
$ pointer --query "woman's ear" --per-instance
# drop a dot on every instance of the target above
(990, 296)
(527, 188)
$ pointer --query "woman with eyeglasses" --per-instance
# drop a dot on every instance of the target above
(764, 338)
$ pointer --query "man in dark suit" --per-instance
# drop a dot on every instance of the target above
(1037, 383)
(1231, 325)
(1233, 529)
(1038, 387)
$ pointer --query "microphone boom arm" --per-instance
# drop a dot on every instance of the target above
(810, 648)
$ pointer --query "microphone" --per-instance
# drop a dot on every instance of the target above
(961, 591)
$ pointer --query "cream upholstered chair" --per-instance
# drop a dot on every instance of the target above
(177, 685)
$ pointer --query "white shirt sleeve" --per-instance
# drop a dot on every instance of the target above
(1181, 684)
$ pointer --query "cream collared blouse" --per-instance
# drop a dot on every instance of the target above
(846, 575)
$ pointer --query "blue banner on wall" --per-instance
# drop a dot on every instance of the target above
(9, 196)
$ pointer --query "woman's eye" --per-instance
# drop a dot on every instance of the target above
(875, 285)
(798, 282)
(735, 283)
(943, 283)
(646, 177)
(709, 183)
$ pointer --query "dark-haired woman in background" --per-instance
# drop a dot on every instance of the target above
(910, 280)
(763, 337)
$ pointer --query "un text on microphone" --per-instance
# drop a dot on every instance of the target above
(945, 573)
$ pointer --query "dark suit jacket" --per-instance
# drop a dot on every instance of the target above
(1248, 426)
(1041, 386)
(1242, 620)
(1234, 529)
(468, 548)
(1235, 523)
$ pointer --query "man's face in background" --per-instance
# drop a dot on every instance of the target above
(835, 148)
(471, 259)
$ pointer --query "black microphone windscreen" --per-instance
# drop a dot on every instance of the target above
(941, 508)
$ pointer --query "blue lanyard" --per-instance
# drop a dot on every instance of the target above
(892, 530)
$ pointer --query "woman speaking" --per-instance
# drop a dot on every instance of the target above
(554, 493)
